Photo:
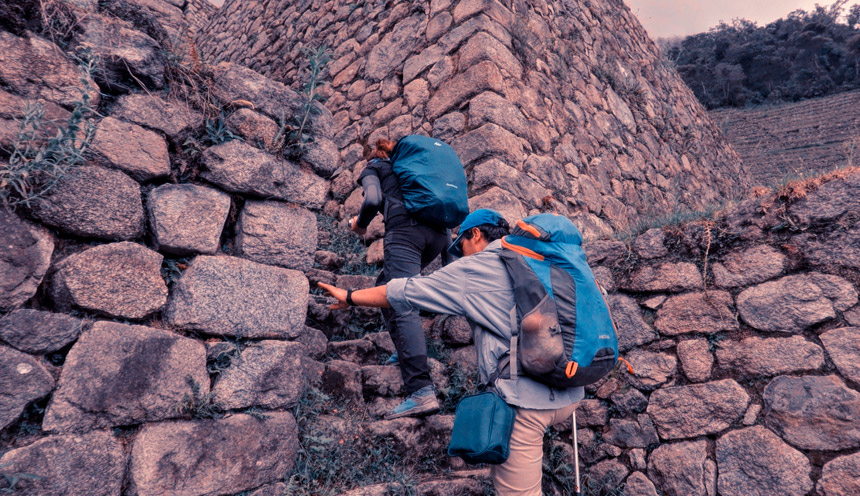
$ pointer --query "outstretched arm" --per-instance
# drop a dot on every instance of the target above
(370, 297)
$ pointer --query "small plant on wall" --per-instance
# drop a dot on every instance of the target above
(37, 164)
(291, 136)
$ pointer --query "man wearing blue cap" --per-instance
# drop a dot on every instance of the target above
(477, 287)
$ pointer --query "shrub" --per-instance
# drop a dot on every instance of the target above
(36, 164)
(289, 137)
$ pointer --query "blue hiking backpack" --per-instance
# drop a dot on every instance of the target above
(432, 181)
(563, 334)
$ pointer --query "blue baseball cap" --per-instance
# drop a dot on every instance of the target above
(480, 217)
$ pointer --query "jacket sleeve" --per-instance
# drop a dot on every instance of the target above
(372, 199)
(443, 291)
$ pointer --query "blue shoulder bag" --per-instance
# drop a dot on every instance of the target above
(482, 429)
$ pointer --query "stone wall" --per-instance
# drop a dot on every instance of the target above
(803, 138)
(560, 106)
(197, 14)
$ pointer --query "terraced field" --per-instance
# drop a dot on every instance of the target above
(797, 138)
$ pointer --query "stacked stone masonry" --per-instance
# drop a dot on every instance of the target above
(158, 330)
(552, 106)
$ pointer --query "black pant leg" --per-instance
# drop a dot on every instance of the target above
(406, 251)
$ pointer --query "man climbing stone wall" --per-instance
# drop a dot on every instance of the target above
(563, 106)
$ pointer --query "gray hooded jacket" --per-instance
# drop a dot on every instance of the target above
(478, 287)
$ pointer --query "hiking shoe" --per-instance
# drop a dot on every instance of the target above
(418, 404)
(393, 359)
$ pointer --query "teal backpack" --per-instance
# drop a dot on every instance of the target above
(563, 334)
(432, 181)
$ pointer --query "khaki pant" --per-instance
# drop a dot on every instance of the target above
(521, 474)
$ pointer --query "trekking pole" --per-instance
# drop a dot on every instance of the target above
(575, 453)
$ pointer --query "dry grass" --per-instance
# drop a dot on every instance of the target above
(190, 79)
(59, 20)
(797, 189)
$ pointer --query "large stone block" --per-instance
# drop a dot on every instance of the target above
(162, 20)
(751, 266)
(837, 247)
(235, 82)
(793, 303)
(841, 476)
(225, 456)
(680, 469)
(25, 255)
(843, 346)
(229, 296)
(639, 485)
(94, 202)
(37, 332)
(386, 380)
(411, 435)
(121, 280)
(829, 201)
(91, 464)
(483, 46)
(754, 461)
(118, 374)
(128, 58)
(674, 277)
(150, 111)
(501, 201)
(628, 433)
(255, 127)
(481, 77)
(241, 168)
(651, 244)
(814, 413)
(140, 153)
(33, 67)
(13, 109)
(489, 140)
(277, 233)
(689, 411)
(762, 357)
(343, 379)
(23, 379)
(360, 351)
(494, 172)
(267, 374)
(187, 218)
(706, 313)
(696, 359)
(651, 369)
(392, 50)
(633, 330)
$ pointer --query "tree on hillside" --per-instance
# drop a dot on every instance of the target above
(803, 55)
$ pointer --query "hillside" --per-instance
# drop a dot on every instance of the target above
(804, 55)
(795, 139)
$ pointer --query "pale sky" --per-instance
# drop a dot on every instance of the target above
(684, 17)
(663, 18)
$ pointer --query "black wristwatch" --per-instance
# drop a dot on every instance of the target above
(349, 298)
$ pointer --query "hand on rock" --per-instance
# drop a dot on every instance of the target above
(336, 293)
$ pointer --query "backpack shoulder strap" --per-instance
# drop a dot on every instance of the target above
(509, 359)
(515, 334)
